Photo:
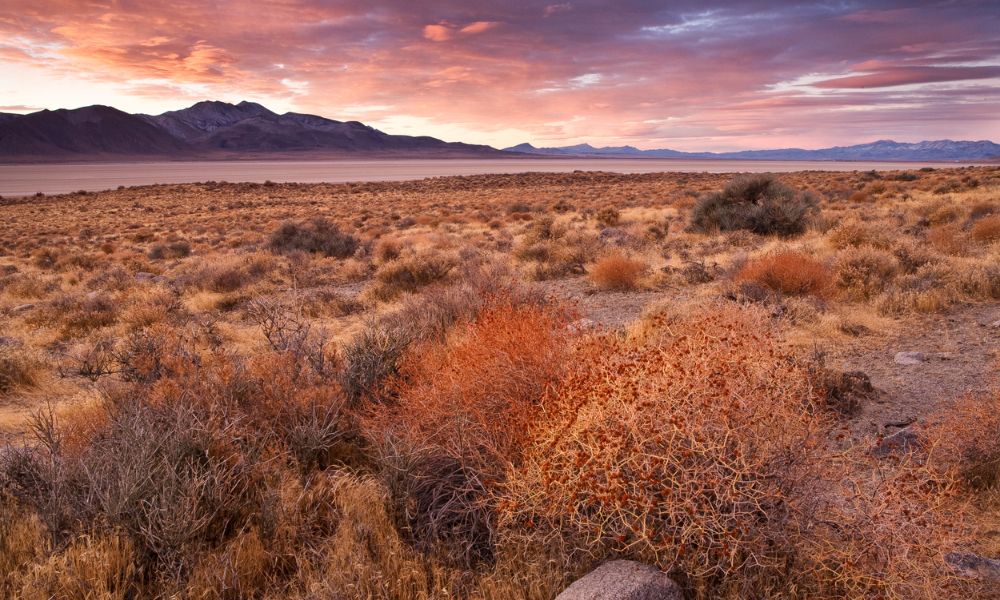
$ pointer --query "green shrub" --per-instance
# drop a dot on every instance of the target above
(757, 203)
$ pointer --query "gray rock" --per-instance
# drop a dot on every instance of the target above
(901, 442)
(623, 580)
(910, 358)
(144, 276)
(21, 308)
(582, 325)
(974, 565)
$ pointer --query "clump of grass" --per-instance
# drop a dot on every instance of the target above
(617, 271)
(948, 239)
(854, 234)
(318, 236)
(18, 370)
(862, 273)
(788, 272)
(758, 203)
(177, 249)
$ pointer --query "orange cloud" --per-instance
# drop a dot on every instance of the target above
(688, 74)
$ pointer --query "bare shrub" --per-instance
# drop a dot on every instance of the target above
(695, 445)
(177, 249)
(788, 272)
(757, 203)
(318, 236)
(967, 436)
(409, 274)
(616, 271)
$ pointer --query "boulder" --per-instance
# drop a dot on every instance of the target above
(623, 580)
(910, 358)
(974, 565)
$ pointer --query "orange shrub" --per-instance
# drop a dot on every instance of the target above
(617, 271)
(463, 412)
(668, 448)
(987, 229)
(697, 446)
(788, 272)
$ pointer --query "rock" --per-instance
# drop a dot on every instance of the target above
(623, 580)
(615, 236)
(901, 442)
(144, 276)
(974, 565)
(582, 325)
(21, 308)
(909, 358)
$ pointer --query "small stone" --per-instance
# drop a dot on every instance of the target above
(144, 276)
(582, 325)
(901, 442)
(623, 580)
(974, 565)
(909, 358)
(21, 308)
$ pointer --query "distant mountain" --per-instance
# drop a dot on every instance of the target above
(94, 130)
(205, 130)
(940, 150)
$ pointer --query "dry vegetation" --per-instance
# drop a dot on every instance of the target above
(423, 389)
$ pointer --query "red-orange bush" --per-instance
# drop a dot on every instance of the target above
(463, 412)
(788, 272)
(617, 271)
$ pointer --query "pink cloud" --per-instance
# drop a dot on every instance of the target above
(897, 76)
(719, 81)
(479, 27)
(439, 32)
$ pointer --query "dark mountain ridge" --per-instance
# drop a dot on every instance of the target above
(209, 129)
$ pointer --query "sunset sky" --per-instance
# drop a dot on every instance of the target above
(685, 75)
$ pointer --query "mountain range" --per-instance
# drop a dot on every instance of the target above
(209, 129)
(218, 130)
(939, 150)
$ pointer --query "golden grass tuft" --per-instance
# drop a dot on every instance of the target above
(788, 272)
(617, 271)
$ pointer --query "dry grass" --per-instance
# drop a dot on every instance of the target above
(250, 402)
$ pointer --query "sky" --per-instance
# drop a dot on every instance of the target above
(685, 75)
